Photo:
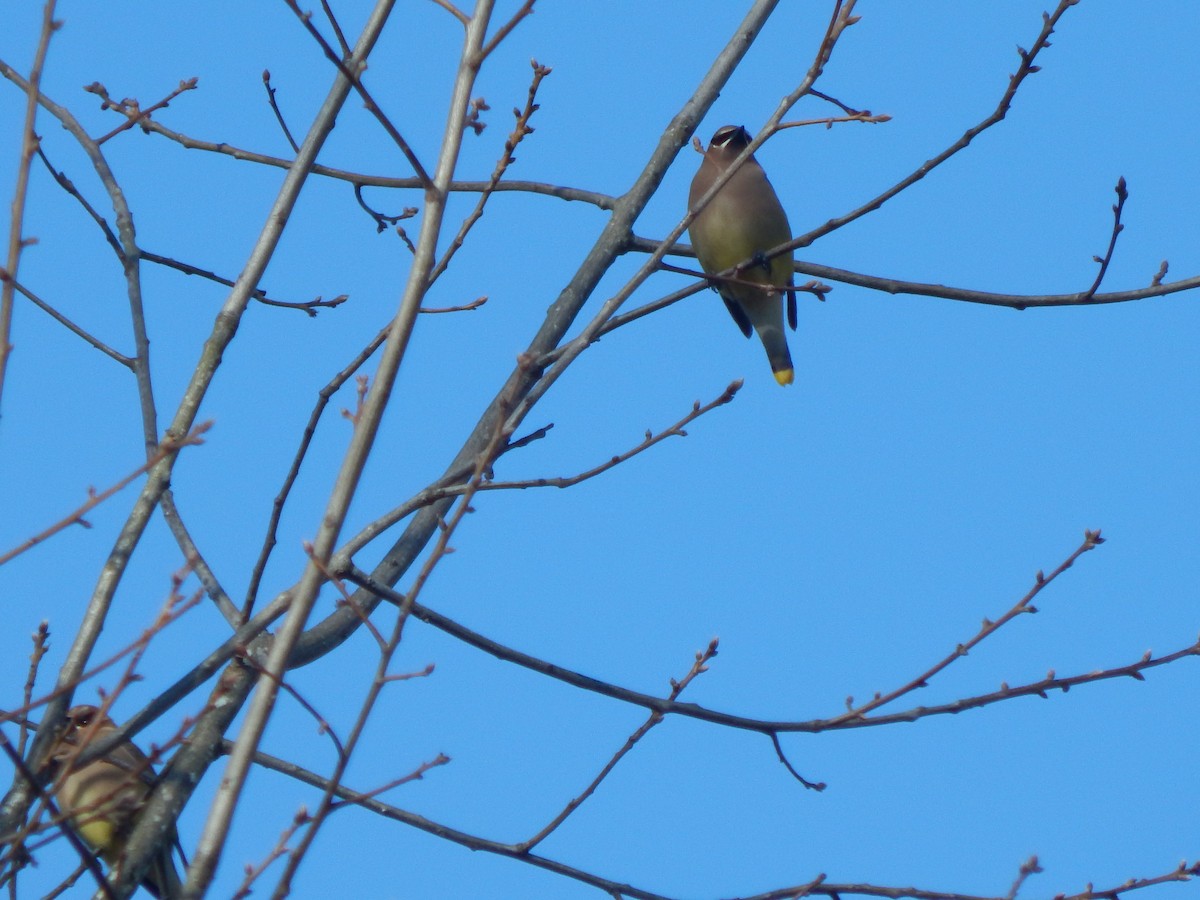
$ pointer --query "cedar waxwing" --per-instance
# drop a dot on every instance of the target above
(104, 796)
(743, 221)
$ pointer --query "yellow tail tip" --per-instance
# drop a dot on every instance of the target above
(784, 376)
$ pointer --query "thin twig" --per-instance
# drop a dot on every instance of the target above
(280, 848)
(1122, 196)
(132, 111)
(1182, 872)
(520, 130)
(353, 77)
(453, 485)
(848, 110)
(699, 666)
(40, 638)
(474, 304)
(787, 764)
(594, 198)
(71, 326)
(337, 28)
(1091, 540)
(651, 438)
(504, 30)
(383, 220)
(60, 177)
(417, 774)
(1029, 867)
(29, 144)
(830, 121)
(196, 561)
(308, 307)
(287, 132)
(310, 429)
(166, 448)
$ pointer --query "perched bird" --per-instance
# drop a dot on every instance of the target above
(743, 221)
(103, 797)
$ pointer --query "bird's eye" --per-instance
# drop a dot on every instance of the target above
(723, 135)
(731, 136)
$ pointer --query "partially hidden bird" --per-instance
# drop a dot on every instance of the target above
(103, 797)
(735, 229)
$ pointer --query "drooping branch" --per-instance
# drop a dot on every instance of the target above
(774, 727)
(594, 198)
(818, 886)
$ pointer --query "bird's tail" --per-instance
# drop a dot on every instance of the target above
(775, 343)
(162, 879)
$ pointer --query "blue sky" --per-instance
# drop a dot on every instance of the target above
(838, 536)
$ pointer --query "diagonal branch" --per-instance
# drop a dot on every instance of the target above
(520, 130)
(29, 145)
(699, 666)
(1026, 68)
(609, 245)
(769, 727)
(352, 74)
(1025, 605)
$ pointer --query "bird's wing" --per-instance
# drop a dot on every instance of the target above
(739, 316)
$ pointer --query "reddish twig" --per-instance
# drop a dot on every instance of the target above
(165, 449)
(862, 116)
(172, 610)
(40, 638)
(520, 130)
(281, 847)
(1091, 540)
(474, 304)
(29, 145)
(1029, 867)
(416, 774)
